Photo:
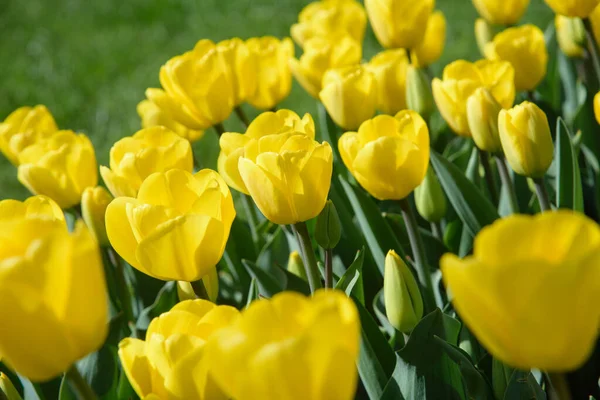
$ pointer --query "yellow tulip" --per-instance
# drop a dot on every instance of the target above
(330, 18)
(570, 33)
(482, 116)
(431, 47)
(288, 176)
(289, 347)
(525, 48)
(597, 107)
(595, 20)
(53, 294)
(35, 206)
(93, 209)
(321, 54)
(350, 95)
(573, 8)
(60, 167)
(259, 133)
(501, 12)
(484, 34)
(150, 150)
(22, 128)
(529, 294)
(242, 67)
(389, 70)
(274, 75)
(176, 228)
(198, 90)
(152, 115)
(403, 302)
(172, 364)
(388, 156)
(461, 79)
(526, 139)
(399, 23)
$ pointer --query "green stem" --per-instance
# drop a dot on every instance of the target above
(82, 389)
(242, 116)
(328, 268)
(308, 255)
(418, 252)
(559, 387)
(122, 288)
(489, 176)
(508, 184)
(542, 194)
(200, 289)
(437, 231)
(219, 128)
(592, 46)
(248, 204)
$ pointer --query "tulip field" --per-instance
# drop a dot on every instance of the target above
(301, 200)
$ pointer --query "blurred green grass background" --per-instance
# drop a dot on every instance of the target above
(90, 61)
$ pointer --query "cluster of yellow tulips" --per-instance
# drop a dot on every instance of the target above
(164, 283)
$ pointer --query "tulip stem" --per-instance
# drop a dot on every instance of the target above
(559, 387)
(252, 219)
(308, 255)
(242, 116)
(200, 289)
(592, 46)
(328, 268)
(508, 184)
(542, 194)
(79, 385)
(219, 128)
(437, 231)
(489, 176)
(418, 252)
(122, 288)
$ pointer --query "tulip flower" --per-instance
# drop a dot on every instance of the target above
(389, 70)
(388, 156)
(526, 139)
(172, 363)
(573, 8)
(289, 347)
(35, 206)
(242, 68)
(501, 12)
(350, 95)
(22, 128)
(330, 18)
(93, 209)
(403, 302)
(176, 228)
(133, 159)
(431, 47)
(53, 294)
(399, 23)
(597, 107)
(461, 79)
(259, 131)
(482, 116)
(60, 167)
(595, 21)
(430, 199)
(321, 54)
(152, 115)
(570, 33)
(274, 75)
(529, 294)
(525, 48)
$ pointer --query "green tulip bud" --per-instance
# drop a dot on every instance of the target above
(419, 97)
(328, 231)
(430, 198)
(7, 388)
(296, 266)
(403, 302)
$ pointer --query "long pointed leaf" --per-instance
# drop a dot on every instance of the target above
(569, 192)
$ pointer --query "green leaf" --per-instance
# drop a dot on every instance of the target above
(472, 207)
(376, 360)
(275, 252)
(569, 192)
(268, 285)
(165, 300)
(252, 292)
(351, 282)
(501, 375)
(523, 386)
(423, 368)
(65, 392)
(101, 371)
(379, 309)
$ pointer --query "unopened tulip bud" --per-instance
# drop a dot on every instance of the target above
(570, 34)
(483, 34)
(418, 92)
(573, 8)
(7, 388)
(482, 115)
(93, 209)
(526, 139)
(403, 302)
(296, 265)
(328, 231)
(430, 198)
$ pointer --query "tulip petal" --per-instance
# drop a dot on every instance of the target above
(136, 365)
(119, 230)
